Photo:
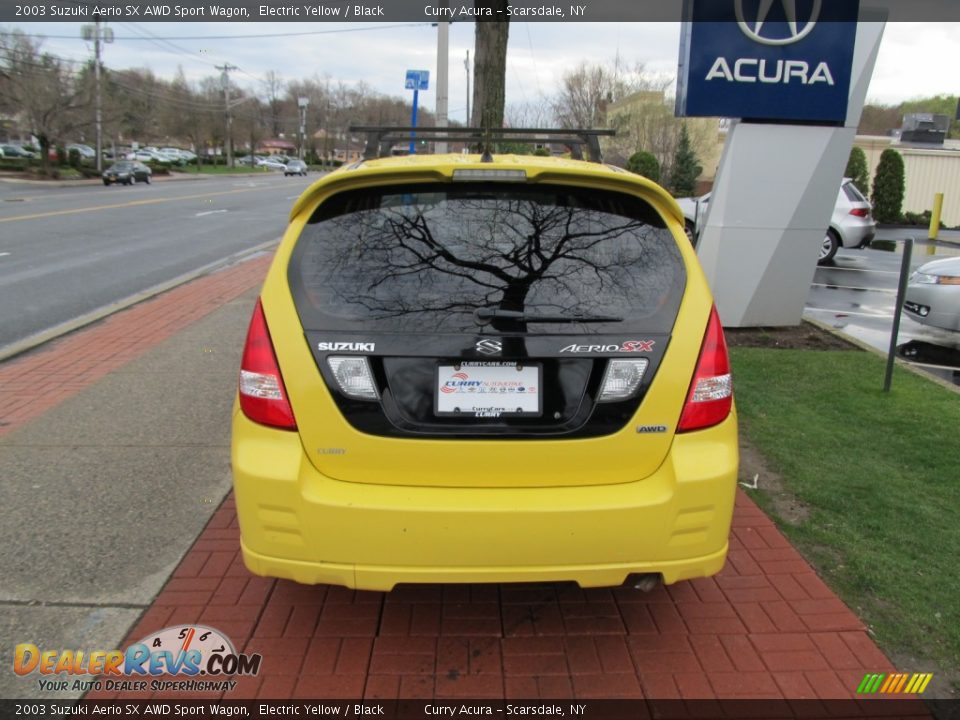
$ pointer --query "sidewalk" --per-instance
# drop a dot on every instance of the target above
(114, 443)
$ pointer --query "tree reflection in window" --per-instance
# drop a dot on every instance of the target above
(427, 260)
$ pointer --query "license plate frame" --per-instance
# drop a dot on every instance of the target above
(498, 395)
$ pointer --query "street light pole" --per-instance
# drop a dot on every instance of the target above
(466, 66)
(97, 35)
(225, 79)
(96, 80)
(443, 68)
(302, 103)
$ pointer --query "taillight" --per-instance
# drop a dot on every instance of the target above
(860, 212)
(711, 391)
(263, 397)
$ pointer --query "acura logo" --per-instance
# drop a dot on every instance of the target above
(754, 28)
(489, 347)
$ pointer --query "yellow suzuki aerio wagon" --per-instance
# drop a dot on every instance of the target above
(484, 368)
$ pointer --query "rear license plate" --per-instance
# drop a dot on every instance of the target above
(488, 389)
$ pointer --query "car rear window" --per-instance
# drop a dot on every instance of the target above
(852, 193)
(427, 257)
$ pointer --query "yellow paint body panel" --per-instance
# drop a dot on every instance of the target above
(301, 525)
(377, 511)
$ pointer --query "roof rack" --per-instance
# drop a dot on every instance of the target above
(381, 138)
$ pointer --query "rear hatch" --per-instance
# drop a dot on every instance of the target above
(462, 326)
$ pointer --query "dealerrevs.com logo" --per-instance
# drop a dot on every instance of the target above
(202, 657)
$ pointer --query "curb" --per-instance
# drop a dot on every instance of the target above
(33, 341)
(921, 234)
(92, 182)
(910, 367)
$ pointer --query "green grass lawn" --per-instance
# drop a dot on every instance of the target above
(880, 474)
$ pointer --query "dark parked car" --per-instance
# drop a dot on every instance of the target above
(126, 172)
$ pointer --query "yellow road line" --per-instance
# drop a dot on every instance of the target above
(132, 203)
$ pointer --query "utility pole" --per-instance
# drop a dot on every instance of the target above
(225, 80)
(466, 66)
(97, 35)
(302, 103)
(443, 71)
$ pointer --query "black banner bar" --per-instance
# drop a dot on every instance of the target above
(391, 11)
(472, 708)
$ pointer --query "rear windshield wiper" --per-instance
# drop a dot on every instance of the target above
(487, 314)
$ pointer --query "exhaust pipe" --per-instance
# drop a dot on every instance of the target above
(644, 582)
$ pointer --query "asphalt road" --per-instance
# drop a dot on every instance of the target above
(69, 251)
(857, 295)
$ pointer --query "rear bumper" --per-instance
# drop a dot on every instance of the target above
(298, 524)
(371, 577)
(856, 235)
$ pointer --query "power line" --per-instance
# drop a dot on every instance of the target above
(165, 45)
(202, 106)
(68, 61)
(182, 38)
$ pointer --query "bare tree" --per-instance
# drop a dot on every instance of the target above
(141, 97)
(190, 113)
(583, 98)
(490, 65)
(633, 102)
(50, 100)
(531, 114)
(587, 91)
(251, 121)
(274, 88)
(213, 130)
(39, 93)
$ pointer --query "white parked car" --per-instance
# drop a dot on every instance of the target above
(156, 156)
(851, 225)
(933, 295)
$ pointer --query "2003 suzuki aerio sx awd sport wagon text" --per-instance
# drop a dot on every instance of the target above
(466, 369)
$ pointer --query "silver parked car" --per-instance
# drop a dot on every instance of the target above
(85, 150)
(933, 295)
(851, 225)
(296, 167)
(271, 163)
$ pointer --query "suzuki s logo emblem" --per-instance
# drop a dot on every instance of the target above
(489, 347)
(754, 28)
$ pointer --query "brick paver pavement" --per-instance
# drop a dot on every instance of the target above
(32, 384)
(766, 626)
